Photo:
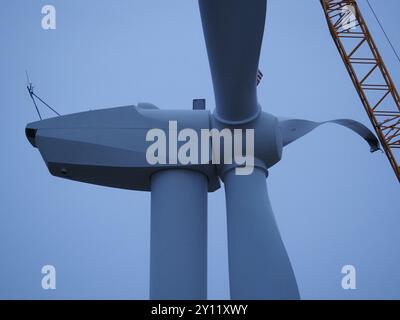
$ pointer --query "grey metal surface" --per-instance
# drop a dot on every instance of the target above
(108, 146)
(293, 129)
(259, 267)
(233, 31)
(178, 254)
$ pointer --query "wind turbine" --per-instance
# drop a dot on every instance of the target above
(108, 147)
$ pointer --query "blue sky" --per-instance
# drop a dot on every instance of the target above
(335, 203)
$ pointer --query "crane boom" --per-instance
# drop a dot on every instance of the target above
(368, 72)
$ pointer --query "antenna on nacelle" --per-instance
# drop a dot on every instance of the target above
(30, 87)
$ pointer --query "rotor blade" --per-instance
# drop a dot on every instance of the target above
(293, 129)
(233, 31)
(259, 267)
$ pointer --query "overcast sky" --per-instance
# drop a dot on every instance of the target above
(334, 201)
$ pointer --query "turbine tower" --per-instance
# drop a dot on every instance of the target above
(108, 147)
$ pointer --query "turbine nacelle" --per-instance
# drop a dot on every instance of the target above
(108, 146)
(111, 147)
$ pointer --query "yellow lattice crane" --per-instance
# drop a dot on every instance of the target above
(368, 72)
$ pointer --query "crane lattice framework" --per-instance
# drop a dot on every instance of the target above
(368, 72)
